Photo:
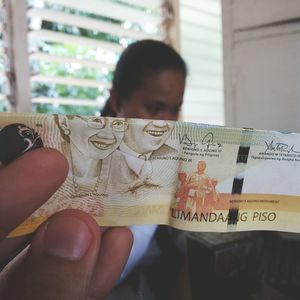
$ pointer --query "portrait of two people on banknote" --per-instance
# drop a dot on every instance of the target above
(114, 156)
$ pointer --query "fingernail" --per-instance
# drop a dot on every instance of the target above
(67, 237)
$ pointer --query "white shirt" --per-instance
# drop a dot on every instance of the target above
(142, 236)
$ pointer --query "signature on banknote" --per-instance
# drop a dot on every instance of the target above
(186, 140)
(280, 147)
(207, 140)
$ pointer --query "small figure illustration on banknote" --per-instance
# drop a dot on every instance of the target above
(197, 192)
(16, 139)
(134, 168)
(204, 194)
(183, 201)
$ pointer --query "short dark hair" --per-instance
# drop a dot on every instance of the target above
(139, 61)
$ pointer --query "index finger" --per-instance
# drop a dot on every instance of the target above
(27, 183)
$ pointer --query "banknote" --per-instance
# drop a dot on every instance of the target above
(189, 176)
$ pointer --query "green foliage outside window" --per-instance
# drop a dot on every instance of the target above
(70, 70)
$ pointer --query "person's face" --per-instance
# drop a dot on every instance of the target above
(201, 166)
(182, 177)
(96, 137)
(159, 98)
(145, 136)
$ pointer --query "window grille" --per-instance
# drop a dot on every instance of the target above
(74, 45)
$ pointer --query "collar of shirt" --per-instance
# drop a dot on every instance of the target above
(135, 161)
(124, 148)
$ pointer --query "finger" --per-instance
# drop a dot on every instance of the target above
(116, 244)
(12, 266)
(9, 248)
(27, 183)
(60, 260)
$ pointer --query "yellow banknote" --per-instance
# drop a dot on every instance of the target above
(189, 176)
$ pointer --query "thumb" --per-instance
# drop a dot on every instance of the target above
(60, 261)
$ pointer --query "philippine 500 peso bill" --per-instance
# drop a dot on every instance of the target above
(190, 176)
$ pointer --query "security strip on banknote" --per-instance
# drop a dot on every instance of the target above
(190, 176)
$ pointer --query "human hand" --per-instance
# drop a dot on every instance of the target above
(68, 256)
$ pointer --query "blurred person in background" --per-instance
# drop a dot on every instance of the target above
(149, 83)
